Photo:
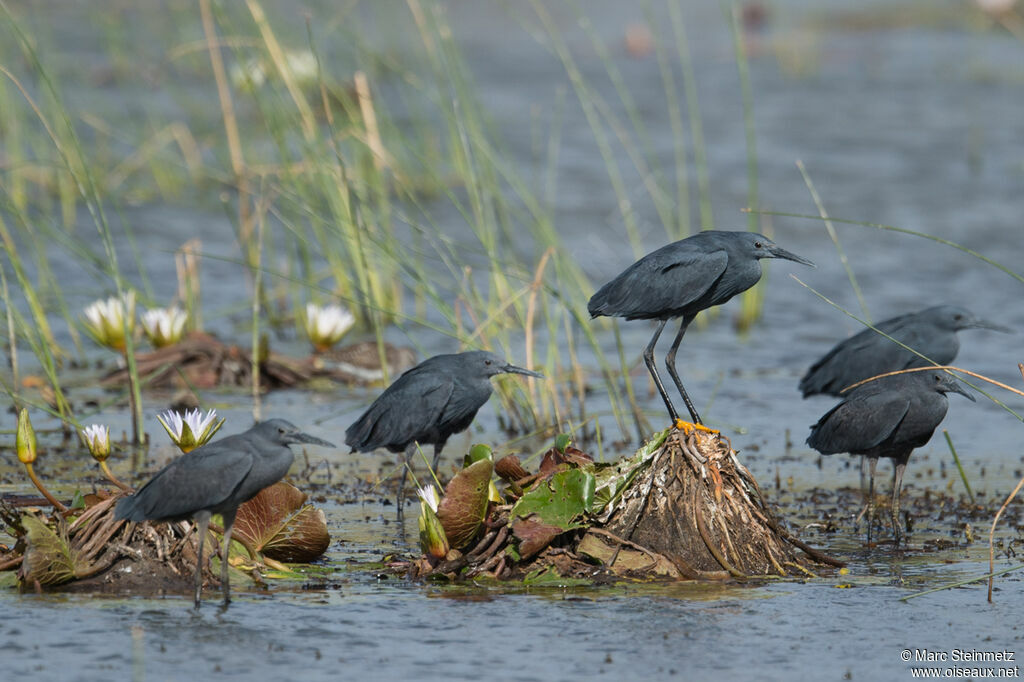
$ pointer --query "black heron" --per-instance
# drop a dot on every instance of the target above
(887, 417)
(680, 280)
(216, 478)
(932, 332)
(427, 404)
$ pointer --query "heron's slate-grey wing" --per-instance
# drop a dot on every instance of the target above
(202, 479)
(406, 411)
(861, 422)
(661, 283)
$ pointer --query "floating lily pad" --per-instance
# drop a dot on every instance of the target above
(278, 523)
(464, 505)
(560, 501)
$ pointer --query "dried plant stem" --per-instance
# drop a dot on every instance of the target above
(227, 109)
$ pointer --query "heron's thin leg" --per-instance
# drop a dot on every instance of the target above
(670, 362)
(202, 525)
(437, 455)
(225, 581)
(897, 486)
(649, 361)
(872, 463)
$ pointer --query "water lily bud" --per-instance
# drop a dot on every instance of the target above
(192, 429)
(164, 326)
(97, 439)
(433, 540)
(429, 495)
(26, 439)
(325, 325)
(106, 321)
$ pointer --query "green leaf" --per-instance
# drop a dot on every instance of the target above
(559, 501)
(477, 453)
(563, 441)
(548, 576)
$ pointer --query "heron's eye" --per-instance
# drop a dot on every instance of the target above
(280, 430)
(487, 362)
(958, 317)
(758, 245)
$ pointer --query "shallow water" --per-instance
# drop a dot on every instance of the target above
(917, 127)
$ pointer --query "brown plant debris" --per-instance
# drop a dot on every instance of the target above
(682, 507)
(77, 549)
(201, 361)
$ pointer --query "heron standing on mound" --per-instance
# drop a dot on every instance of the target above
(427, 404)
(680, 280)
(216, 478)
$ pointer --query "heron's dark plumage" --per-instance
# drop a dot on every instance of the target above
(931, 332)
(216, 478)
(427, 404)
(682, 279)
(887, 417)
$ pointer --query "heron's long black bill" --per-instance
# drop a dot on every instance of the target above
(779, 252)
(299, 437)
(985, 324)
(962, 391)
(512, 369)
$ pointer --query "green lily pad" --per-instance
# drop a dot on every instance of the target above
(550, 577)
(464, 505)
(559, 501)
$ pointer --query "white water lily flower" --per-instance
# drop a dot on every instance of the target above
(325, 325)
(996, 7)
(192, 429)
(302, 64)
(164, 326)
(97, 439)
(248, 76)
(106, 320)
(429, 495)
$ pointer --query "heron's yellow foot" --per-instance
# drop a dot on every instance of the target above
(688, 427)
